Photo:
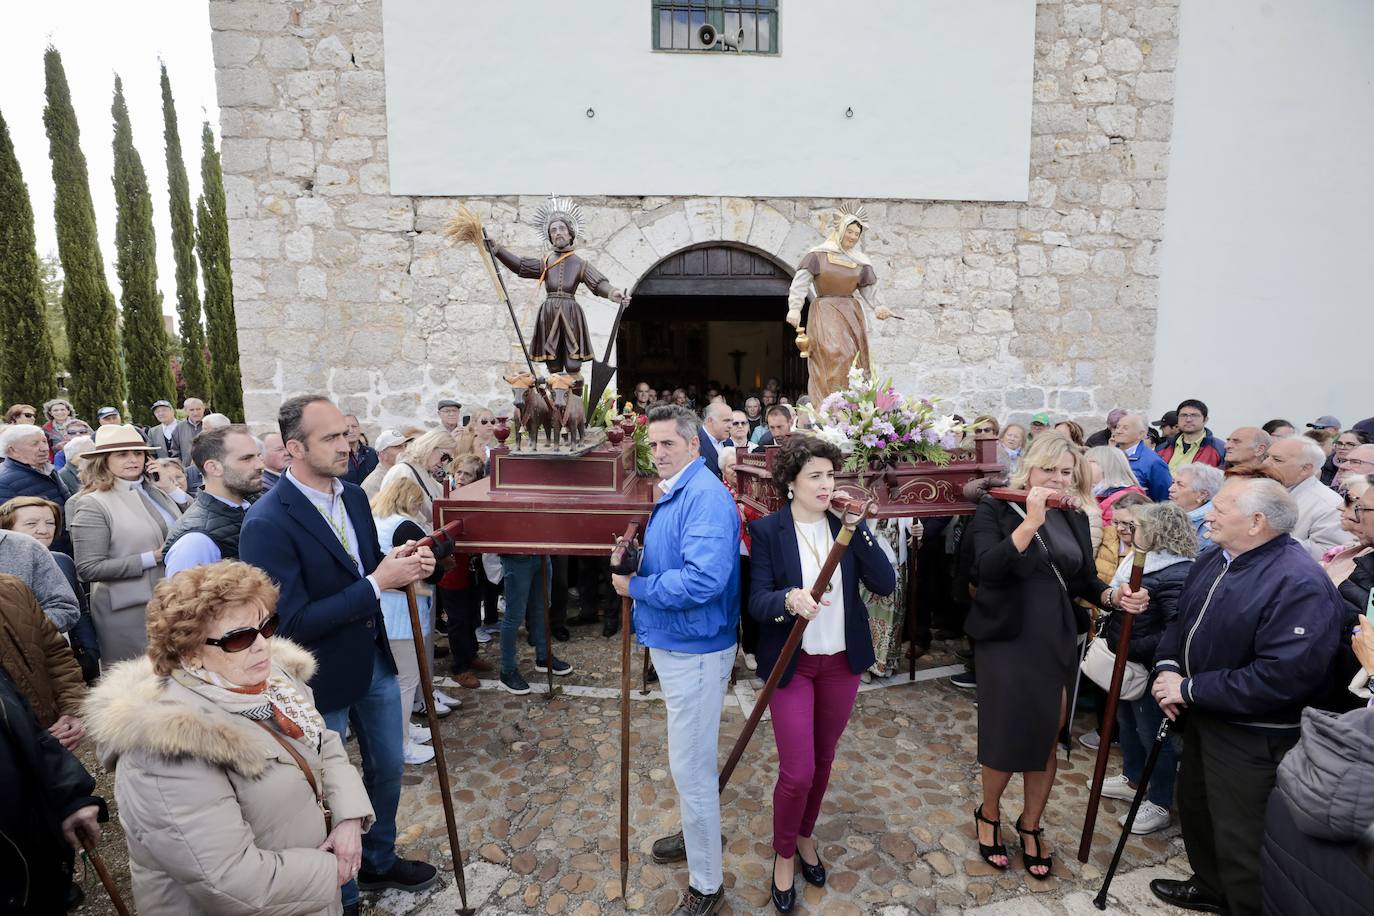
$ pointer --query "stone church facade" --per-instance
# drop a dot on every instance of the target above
(1011, 308)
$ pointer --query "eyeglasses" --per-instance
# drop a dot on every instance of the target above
(1357, 511)
(1354, 463)
(1124, 526)
(1344, 445)
(1188, 415)
(243, 637)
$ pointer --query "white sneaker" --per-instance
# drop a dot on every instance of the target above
(750, 661)
(1148, 819)
(419, 735)
(1117, 787)
(1090, 740)
(446, 700)
(440, 709)
(482, 635)
(418, 753)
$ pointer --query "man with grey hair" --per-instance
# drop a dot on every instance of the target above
(714, 434)
(1194, 487)
(1297, 463)
(1150, 469)
(1247, 446)
(1257, 630)
(28, 472)
(686, 611)
(275, 459)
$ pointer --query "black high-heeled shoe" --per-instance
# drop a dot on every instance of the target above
(997, 847)
(783, 900)
(814, 874)
(1037, 860)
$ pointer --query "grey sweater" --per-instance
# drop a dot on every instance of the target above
(22, 556)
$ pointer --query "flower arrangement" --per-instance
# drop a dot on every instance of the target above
(608, 412)
(875, 425)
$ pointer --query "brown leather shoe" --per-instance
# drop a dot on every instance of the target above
(467, 679)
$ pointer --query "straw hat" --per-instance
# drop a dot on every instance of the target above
(111, 439)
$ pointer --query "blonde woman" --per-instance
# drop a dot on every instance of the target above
(397, 511)
(426, 462)
(118, 527)
(1112, 478)
(1030, 563)
(479, 435)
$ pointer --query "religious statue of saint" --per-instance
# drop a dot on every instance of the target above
(842, 277)
(561, 341)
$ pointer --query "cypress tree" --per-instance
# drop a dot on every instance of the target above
(212, 246)
(193, 370)
(144, 337)
(97, 376)
(27, 370)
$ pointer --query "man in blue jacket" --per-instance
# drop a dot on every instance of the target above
(27, 472)
(1150, 469)
(686, 609)
(314, 535)
(1257, 631)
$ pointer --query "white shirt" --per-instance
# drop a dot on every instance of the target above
(825, 634)
(168, 429)
(666, 485)
(331, 506)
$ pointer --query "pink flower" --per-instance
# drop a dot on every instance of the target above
(887, 400)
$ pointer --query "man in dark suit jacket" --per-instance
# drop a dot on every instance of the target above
(714, 434)
(314, 535)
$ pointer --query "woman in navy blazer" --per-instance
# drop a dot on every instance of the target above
(815, 695)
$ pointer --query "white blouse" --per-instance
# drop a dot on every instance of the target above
(825, 634)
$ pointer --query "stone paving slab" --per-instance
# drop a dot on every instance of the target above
(536, 779)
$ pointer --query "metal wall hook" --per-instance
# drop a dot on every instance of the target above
(849, 112)
(591, 112)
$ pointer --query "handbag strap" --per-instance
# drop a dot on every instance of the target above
(1048, 558)
(305, 769)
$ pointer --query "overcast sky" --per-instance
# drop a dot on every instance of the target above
(98, 39)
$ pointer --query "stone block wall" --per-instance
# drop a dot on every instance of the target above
(1011, 308)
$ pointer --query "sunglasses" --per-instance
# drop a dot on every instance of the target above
(243, 637)
(739, 422)
(27, 414)
(487, 422)
(445, 458)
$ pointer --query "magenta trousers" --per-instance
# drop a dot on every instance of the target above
(809, 715)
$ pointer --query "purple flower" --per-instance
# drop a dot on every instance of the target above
(948, 440)
(869, 440)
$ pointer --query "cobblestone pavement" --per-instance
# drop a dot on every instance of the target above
(535, 784)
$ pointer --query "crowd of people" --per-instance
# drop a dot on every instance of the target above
(219, 612)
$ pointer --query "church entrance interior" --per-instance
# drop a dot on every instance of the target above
(710, 315)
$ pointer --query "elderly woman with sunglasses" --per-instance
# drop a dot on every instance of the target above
(426, 460)
(233, 795)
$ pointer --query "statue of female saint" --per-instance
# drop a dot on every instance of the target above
(561, 341)
(842, 277)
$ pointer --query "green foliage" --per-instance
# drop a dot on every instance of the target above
(212, 246)
(144, 337)
(27, 371)
(50, 275)
(97, 377)
(193, 369)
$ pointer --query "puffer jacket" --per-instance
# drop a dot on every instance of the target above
(217, 815)
(1163, 579)
(36, 656)
(1255, 636)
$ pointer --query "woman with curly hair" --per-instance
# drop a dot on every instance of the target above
(1167, 535)
(815, 695)
(233, 794)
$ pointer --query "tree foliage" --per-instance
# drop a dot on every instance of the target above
(212, 246)
(193, 368)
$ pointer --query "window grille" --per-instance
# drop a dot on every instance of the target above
(677, 24)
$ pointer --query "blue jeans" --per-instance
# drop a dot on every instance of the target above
(694, 689)
(374, 717)
(1139, 720)
(519, 573)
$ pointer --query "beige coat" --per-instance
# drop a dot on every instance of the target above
(111, 530)
(218, 818)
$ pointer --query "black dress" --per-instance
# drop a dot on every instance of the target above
(1026, 629)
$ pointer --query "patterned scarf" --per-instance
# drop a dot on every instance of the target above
(274, 699)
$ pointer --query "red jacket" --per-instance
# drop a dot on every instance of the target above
(1210, 450)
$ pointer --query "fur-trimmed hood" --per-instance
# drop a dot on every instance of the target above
(133, 709)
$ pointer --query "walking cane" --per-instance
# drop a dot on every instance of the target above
(789, 648)
(439, 537)
(94, 857)
(1161, 736)
(1104, 745)
(625, 563)
(548, 627)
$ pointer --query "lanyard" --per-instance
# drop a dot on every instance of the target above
(340, 527)
(816, 554)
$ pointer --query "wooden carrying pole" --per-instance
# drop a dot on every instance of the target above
(436, 737)
(93, 855)
(1104, 746)
(626, 605)
(794, 638)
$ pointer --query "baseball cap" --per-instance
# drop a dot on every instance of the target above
(1325, 420)
(390, 437)
(104, 412)
(1042, 418)
(448, 402)
(1170, 418)
(160, 403)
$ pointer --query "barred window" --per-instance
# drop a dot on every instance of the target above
(677, 25)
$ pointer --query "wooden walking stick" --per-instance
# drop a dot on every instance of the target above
(106, 879)
(624, 559)
(789, 648)
(1104, 746)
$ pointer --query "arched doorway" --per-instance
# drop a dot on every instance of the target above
(711, 313)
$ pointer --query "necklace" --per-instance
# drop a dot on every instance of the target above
(816, 553)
